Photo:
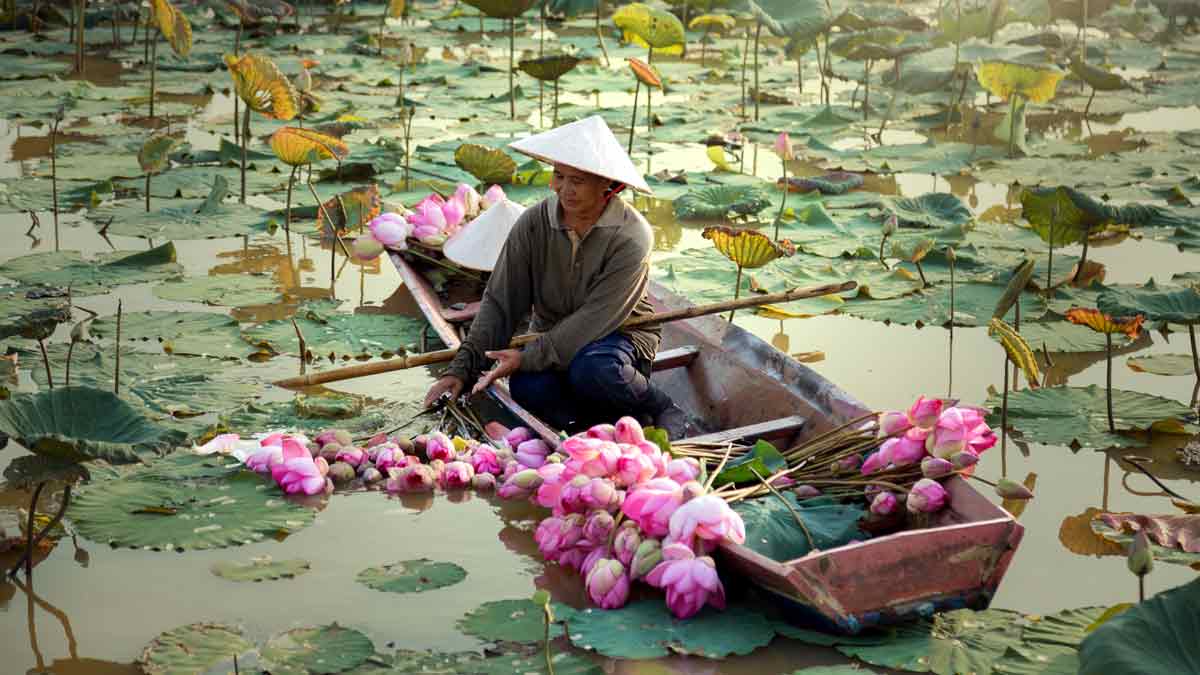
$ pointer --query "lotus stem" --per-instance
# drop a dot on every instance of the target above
(1083, 36)
(737, 289)
(245, 141)
(649, 95)
(721, 465)
(1108, 381)
(70, 351)
(1141, 577)
(1082, 256)
(382, 21)
(745, 63)
(799, 77)
(895, 94)
(147, 192)
(153, 67)
(757, 92)
(287, 219)
(117, 357)
(546, 633)
(599, 33)
(795, 514)
(27, 557)
(1004, 422)
(783, 204)
(46, 362)
(637, 88)
(54, 175)
(512, 94)
(882, 243)
(866, 104)
(555, 123)
(116, 33)
(1012, 125)
(79, 38)
(1088, 107)
(921, 271)
(1195, 353)
(303, 345)
(704, 46)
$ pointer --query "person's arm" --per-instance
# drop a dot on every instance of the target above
(505, 302)
(611, 299)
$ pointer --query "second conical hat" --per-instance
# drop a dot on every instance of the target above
(587, 145)
(477, 245)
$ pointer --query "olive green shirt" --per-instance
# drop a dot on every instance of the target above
(575, 291)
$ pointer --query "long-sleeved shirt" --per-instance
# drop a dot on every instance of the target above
(578, 289)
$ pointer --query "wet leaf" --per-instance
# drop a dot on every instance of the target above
(1157, 635)
(412, 576)
(320, 649)
(1049, 644)
(261, 569)
(645, 629)
(194, 648)
(762, 457)
(1177, 536)
(1101, 322)
(91, 277)
(1076, 536)
(1172, 304)
(334, 334)
(178, 333)
(1063, 337)
(721, 201)
(517, 620)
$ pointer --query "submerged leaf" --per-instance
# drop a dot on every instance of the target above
(261, 569)
(412, 576)
(319, 649)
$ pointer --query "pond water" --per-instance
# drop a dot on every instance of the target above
(97, 617)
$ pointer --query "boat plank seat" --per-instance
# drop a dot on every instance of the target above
(679, 357)
(789, 425)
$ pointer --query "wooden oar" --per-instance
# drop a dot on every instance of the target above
(444, 355)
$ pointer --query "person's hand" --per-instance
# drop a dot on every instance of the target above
(446, 384)
(508, 361)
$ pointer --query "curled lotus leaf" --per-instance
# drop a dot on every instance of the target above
(1017, 348)
(1158, 635)
(645, 73)
(174, 26)
(81, 423)
(719, 201)
(930, 210)
(412, 576)
(1180, 532)
(502, 9)
(550, 67)
(799, 20)
(257, 10)
(319, 649)
(717, 22)
(297, 147)
(650, 27)
(1106, 323)
(1006, 79)
(261, 85)
(1016, 286)
(489, 165)
(747, 248)
(155, 151)
(913, 252)
(195, 648)
(349, 210)
(1097, 77)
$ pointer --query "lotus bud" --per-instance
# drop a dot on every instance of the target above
(924, 412)
(1141, 557)
(456, 476)
(439, 446)
(884, 503)
(371, 475)
(806, 491)
(936, 467)
(314, 449)
(783, 482)
(628, 430)
(1010, 489)
(893, 422)
(890, 225)
(685, 469)
(645, 558)
(517, 436)
(532, 453)
(783, 147)
(412, 478)
(341, 472)
(964, 459)
(876, 461)
(484, 482)
(691, 490)
(626, 541)
(389, 229)
(351, 455)
(520, 485)
(325, 437)
(494, 195)
(322, 465)
(607, 584)
(604, 432)
(377, 439)
(598, 527)
(926, 496)
(404, 443)
(366, 248)
(437, 466)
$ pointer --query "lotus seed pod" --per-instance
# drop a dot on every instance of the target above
(341, 472)
(342, 437)
(371, 475)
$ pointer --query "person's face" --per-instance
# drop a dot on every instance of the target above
(578, 191)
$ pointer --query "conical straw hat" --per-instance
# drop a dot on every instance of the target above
(587, 145)
(477, 245)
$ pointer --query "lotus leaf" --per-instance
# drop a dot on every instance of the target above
(1006, 79)
(550, 67)
(256, 11)
(749, 249)
(296, 146)
(185, 502)
(516, 620)
(1018, 351)
(320, 649)
(206, 218)
(173, 25)
(1178, 532)
(1100, 322)
(830, 670)
(190, 333)
(645, 73)
(515, 660)
(25, 194)
(333, 334)
(800, 20)
(488, 165)
(1062, 337)
(261, 569)
(645, 629)
(84, 277)
(1155, 636)
(650, 27)
(155, 152)
(194, 648)
(974, 304)
(961, 641)
(28, 470)
(1170, 304)
(932, 210)
(502, 9)
(221, 290)
(1076, 416)
(350, 210)
(1162, 364)
(412, 576)
(771, 529)
(260, 84)
(720, 201)
(720, 22)
(835, 183)
(31, 312)
(254, 417)
(1049, 644)
(79, 423)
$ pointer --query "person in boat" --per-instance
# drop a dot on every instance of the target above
(579, 264)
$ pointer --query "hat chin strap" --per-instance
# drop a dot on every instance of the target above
(614, 191)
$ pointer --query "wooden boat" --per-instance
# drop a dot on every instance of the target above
(736, 386)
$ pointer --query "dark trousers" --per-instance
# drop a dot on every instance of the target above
(604, 382)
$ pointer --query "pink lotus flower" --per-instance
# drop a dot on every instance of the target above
(646, 557)
(412, 478)
(428, 214)
(604, 432)
(390, 229)
(484, 482)
(469, 198)
(439, 446)
(520, 485)
(626, 541)
(684, 469)
(608, 584)
(298, 473)
(571, 496)
(709, 518)
(924, 413)
(906, 450)
(884, 503)
(634, 467)
(517, 436)
(604, 463)
(926, 496)
(894, 422)
(484, 460)
(582, 448)
(981, 438)
(351, 455)
(454, 211)
(690, 582)
(456, 476)
(629, 430)
(936, 467)
(600, 493)
(652, 503)
(807, 492)
(493, 196)
(950, 435)
(783, 147)
(389, 456)
(598, 526)
(228, 444)
(532, 453)
(554, 477)
(876, 461)
(555, 535)
(263, 459)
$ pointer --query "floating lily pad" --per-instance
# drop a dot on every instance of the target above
(720, 201)
(1077, 417)
(961, 641)
(31, 312)
(932, 210)
(90, 277)
(412, 576)
(194, 648)
(1163, 364)
(79, 423)
(1064, 337)
(221, 290)
(1155, 636)
(517, 620)
(331, 334)
(261, 569)
(646, 630)
(1049, 644)
(185, 502)
(193, 333)
(771, 529)
(178, 218)
(256, 417)
(322, 649)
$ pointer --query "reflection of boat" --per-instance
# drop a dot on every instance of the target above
(735, 386)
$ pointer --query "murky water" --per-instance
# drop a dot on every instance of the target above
(93, 619)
